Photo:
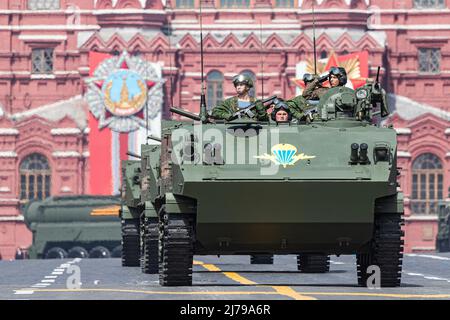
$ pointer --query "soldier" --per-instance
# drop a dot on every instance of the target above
(337, 76)
(243, 83)
(281, 112)
(298, 104)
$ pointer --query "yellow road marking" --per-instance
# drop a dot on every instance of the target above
(283, 290)
(210, 267)
(288, 291)
(238, 278)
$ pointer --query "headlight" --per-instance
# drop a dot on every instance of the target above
(361, 94)
(381, 154)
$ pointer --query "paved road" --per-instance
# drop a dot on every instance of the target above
(228, 277)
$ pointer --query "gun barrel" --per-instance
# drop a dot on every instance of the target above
(186, 114)
(132, 154)
(154, 138)
(268, 99)
(378, 74)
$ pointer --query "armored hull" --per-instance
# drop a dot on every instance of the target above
(76, 226)
(322, 204)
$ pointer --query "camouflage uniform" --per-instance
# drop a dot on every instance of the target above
(230, 106)
(296, 107)
(314, 90)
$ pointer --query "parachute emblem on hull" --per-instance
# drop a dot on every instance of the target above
(284, 155)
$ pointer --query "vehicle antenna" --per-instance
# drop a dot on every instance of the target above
(262, 59)
(170, 65)
(203, 114)
(314, 38)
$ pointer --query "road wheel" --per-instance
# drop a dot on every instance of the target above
(149, 246)
(386, 251)
(176, 249)
(56, 253)
(117, 252)
(313, 263)
(78, 252)
(99, 252)
(261, 259)
(130, 243)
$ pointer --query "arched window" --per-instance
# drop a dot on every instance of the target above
(35, 176)
(323, 54)
(427, 184)
(214, 92)
(253, 77)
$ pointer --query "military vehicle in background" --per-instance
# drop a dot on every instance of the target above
(443, 236)
(74, 227)
(314, 188)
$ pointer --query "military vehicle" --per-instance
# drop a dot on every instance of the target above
(443, 236)
(310, 188)
(74, 227)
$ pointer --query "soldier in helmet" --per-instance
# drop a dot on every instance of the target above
(281, 112)
(298, 104)
(242, 83)
(337, 76)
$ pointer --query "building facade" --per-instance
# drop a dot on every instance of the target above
(45, 60)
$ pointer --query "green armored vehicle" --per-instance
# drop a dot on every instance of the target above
(443, 236)
(312, 189)
(74, 227)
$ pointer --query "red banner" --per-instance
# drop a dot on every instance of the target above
(106, 148)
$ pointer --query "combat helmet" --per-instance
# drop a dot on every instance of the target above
(340, 73)
(243, 78)
(280, 104)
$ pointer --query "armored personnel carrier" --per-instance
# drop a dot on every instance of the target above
(74, 226)
(314, 188)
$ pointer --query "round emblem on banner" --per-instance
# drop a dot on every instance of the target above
(124, 91)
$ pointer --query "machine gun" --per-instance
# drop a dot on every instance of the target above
(369, 96)
(248, 110)
(379, 96)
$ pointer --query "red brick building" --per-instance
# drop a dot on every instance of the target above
(44, 60)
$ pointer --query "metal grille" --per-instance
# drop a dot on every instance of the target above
(285, 3)
(184, 3)
(421, 4)
(427, 184)
(35, 177)
(429, 60)
(235, 3)
(42, 60)
(214, 88)
(43, 4)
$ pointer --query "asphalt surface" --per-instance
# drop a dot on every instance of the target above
(425, 276)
